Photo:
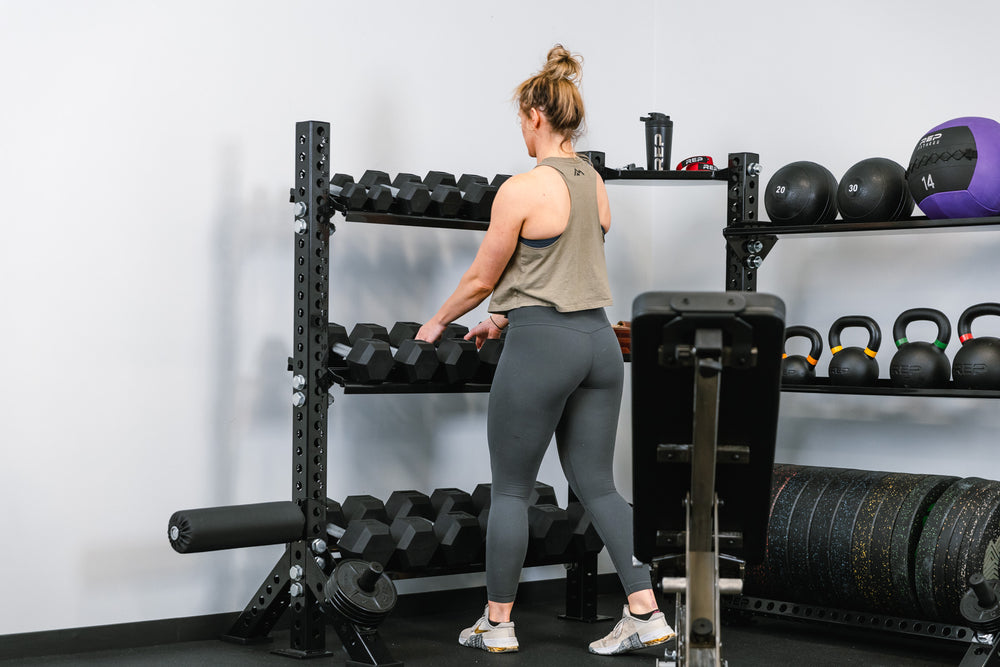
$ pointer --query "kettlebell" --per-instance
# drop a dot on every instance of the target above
(919, 364)
(977, 362)
(852, 366)
(797, 369)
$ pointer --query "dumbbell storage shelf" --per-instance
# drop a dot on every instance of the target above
(297, 583)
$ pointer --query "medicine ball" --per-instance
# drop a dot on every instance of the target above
(872, 190)
(801, 193)
(955, 169)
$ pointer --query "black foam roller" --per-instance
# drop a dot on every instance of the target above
(235, 526)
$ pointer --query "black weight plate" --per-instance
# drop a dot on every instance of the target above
(870, 547)
(849, 512)
(962, 507)
(758, 579)
(881, 595)
(777, 526)
(906, 531)
(820, 535)
(948, 590)
(979, 550)
(931, 535)
(800, 586)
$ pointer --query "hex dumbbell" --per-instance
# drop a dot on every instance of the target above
(446, 200)
(550, 528)
(409, 197)
(369, 360)
(477, 193)
(416, 360)
(457, 358)
(351, 194)
(489, 357)
(362, 537)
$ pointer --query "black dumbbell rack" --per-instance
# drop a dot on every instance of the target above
(295, 584)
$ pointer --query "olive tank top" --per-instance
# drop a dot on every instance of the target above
(570, 274)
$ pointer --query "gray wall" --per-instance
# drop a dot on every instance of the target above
(145, 269)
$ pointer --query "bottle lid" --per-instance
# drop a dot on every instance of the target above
(655, 117)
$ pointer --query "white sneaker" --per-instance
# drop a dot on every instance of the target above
(497, 638)
(632, 634)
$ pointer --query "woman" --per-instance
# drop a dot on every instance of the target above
(561, 371)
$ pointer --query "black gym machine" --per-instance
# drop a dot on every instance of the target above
(701, 486)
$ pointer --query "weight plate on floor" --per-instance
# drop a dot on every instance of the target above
(820, 535)
(906, 531)
(777, 527)
(870, 545)
(968, 509)
(881, 594)
(848, 513)
(758, 581)
(800, 586)
(963, 506)
(930, 537)
(979, 550)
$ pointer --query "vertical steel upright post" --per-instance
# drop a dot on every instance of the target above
(296, 582)
(308, 363)
(743, 257)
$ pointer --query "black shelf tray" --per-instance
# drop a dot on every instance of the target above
(410, 388)
(340, 378)
(883, 387)
(913, 224)
(416, 221)
(647, 177)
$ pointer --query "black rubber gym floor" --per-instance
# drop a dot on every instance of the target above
(423, 633)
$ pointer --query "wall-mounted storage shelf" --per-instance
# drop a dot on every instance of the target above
(416, 221)
(884, 387)
(645, 177)
(908, 225)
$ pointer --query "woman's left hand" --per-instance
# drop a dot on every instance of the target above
(482, 331)
(430, 332)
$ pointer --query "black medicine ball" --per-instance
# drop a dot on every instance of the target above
(801, 193)
(874, 189)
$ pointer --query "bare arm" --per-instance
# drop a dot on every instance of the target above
(507, 215)
(603, 206)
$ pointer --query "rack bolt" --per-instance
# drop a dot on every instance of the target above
(301, 209)
(295, 572)
(301, 227)
(754, 169)
(754, 246)
(298, 399)
(318, 546)
(329, 400)
(298, 382)
(754, 261)
(296, 590)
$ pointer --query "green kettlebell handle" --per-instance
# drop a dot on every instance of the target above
(919, 315)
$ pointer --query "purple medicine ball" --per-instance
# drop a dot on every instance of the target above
(955, 169)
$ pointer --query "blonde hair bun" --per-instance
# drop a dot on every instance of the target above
(561, 64)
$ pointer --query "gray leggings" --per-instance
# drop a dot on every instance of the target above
(560, 373)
